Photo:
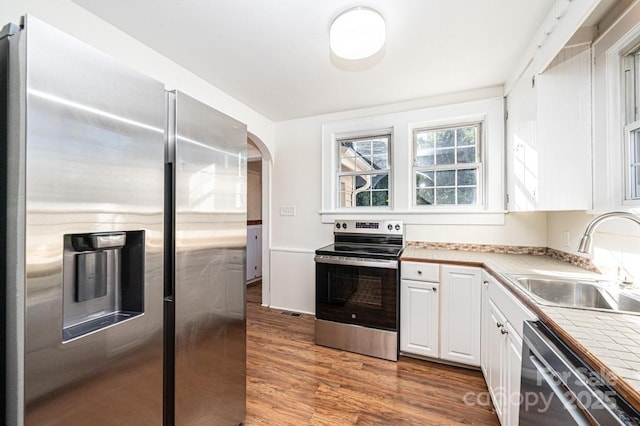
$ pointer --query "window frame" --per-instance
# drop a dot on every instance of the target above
(631, 121)
(479, 165)
(354, 137)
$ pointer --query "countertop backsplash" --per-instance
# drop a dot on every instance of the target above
(582, 262)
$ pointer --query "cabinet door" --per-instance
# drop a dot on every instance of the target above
(564, 131)
(496, 358)
(512, 370)
(460, 319)
(419, 318)
(522, 152)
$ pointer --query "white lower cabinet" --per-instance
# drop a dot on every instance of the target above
(460, 314)
(419, 317)
(440, 312)
(501, 347)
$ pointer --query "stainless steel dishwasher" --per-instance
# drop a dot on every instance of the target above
(559, 388)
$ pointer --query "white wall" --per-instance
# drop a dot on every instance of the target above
(519, 229)
(296, 181)
(81, 24)
(616, 243)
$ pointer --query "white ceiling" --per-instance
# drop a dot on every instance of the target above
(273, 55)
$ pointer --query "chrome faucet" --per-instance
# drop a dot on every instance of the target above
(585, 242)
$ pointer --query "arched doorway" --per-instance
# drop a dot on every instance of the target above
(258, 203)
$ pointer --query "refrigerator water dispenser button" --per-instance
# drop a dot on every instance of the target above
(91, 275)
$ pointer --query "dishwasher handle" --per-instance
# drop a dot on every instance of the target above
(577, 412)
(568, 376)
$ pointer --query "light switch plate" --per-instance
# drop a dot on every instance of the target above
(287, 210)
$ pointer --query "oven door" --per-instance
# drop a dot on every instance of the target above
(357, 291)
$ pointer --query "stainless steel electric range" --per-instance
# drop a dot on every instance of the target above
(357, 287)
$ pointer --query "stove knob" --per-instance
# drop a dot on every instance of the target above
(397, 227)
(390, 227)
(353, 316)
(338, 225)
(344, 226)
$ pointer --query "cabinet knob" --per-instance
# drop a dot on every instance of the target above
(486, 283)
(503, 331)
(498, 324)
(434, 288)
(419, 272)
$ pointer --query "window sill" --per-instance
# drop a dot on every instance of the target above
(431, 217)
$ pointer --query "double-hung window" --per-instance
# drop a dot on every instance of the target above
(632, 125)
(364, 171)
(447, 165)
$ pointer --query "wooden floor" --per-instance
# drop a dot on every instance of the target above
(291, 381)
(254, 292)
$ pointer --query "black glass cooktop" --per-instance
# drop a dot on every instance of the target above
(361, 250)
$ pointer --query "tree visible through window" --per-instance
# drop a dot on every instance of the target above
(363, 171)
(447, 165)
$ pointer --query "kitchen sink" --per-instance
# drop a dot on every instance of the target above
(578, 293)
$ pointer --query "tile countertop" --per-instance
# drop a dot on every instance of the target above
(608, 341)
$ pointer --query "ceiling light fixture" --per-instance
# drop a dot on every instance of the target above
(357, 33)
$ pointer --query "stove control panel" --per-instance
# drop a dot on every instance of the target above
(379, 227)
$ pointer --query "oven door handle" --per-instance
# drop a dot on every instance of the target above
(357, 261)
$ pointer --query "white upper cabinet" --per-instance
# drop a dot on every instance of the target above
(549, 135)
(522, 152)
(564, 131)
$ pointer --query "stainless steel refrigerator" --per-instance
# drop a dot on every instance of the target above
(122, 263)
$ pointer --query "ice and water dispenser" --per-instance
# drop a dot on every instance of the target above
(103, 280)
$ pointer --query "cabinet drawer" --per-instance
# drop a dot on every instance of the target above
(420, 271)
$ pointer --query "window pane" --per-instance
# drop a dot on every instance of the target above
(424, 197)
(467, 154)
(467, 195)
(363, 148)
(425, 140)
(345, 146)
(445, 178)
(380, 198)
(381, 182)
(380, 162)
(424, 149)
(347, 157)
(347, 185)
(364, 180)
(467, 136)
(380, 146)
(635, 146)
(444, 138)
(363, 199)
(445, 156)
(635, 182)
(425, 160)
(445, 196)
(467, 177)
(425, 179)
